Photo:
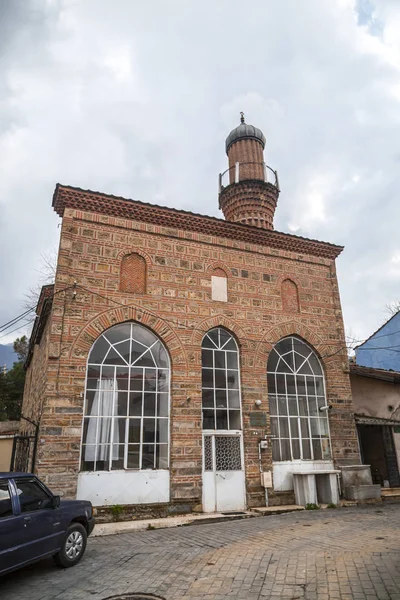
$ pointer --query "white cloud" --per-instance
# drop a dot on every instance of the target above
(137, 98)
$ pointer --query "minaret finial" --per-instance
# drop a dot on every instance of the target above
(241, 116)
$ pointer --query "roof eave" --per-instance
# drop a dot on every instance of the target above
(326, 249)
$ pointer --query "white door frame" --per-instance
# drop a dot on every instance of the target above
(210, 477)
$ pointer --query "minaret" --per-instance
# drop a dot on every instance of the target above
(248, 189)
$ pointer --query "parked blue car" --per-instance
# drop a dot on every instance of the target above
(34, 524)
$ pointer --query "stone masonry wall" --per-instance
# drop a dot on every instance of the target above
(177, 306)
(36, 382)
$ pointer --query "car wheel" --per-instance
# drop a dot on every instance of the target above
(73, 546)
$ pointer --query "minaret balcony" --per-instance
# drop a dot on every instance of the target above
(248, 171)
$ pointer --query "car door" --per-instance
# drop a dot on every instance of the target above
(10, 530)
(41, 523)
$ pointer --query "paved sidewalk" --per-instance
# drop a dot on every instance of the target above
(333, 554)
(102, 529)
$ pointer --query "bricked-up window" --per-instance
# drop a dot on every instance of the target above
(126, 422)
(133, 274)
(296, 392)
(290, 296)
(219, 286)
(220, 381)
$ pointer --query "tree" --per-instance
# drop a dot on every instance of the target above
(21, 346)
(12, 384)
(47, 274)
(393, 308)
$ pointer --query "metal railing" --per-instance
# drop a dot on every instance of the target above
(245, 171)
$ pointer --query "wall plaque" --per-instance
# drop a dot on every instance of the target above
(258, 419)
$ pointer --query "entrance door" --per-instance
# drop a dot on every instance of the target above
(377, 448)
(391, 457)
(223, 474)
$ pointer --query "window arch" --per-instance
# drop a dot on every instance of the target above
(221, 398)
(133, 274)
(126, 409)
(296, 392)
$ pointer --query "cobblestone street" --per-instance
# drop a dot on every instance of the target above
(332, 554)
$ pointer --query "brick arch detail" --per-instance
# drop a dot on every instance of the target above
(297, 329)
(218, 265)
(103, 321)
(219, 321)
(139, 251)
(281, 278)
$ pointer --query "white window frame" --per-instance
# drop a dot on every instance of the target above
(222, 347)
(316, 420)
(114, 417)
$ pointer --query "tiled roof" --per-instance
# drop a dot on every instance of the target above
(381, 374)
(97, 202)
(45, 292)
(42, 310)
(367, 420)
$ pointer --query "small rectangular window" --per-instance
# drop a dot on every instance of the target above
(219, 289)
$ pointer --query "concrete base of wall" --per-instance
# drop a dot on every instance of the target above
(362, 492)
(136, 512)
(280, 498)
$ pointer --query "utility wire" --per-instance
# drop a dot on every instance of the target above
(180, 325)
(17, 328)
(193, 327)
(6, 326)
(14, 321)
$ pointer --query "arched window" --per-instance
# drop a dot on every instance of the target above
(126, 422)
(296, 392)
(133, 274)
(220, 381)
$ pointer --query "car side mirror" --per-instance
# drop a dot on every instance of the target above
(56, 501)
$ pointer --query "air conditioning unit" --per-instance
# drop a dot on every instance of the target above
(266, 479)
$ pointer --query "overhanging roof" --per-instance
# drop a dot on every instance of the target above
(72, 197)
(366, 420)
(381, 374)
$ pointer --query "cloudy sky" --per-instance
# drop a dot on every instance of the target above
(136, 97)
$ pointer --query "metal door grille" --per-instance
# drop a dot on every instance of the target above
(227, 453)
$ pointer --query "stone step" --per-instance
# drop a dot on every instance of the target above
(391, 495)
(386, 492)
(276, 510)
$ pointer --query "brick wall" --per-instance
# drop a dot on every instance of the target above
(133, 274)
(250, 202)
(249, 153)
(177, 306)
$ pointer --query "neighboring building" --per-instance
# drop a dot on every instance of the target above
(375, 384)
(148, 363)
(381, 349)
(8, 429)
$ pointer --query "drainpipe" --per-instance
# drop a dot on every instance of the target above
(260, 463)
